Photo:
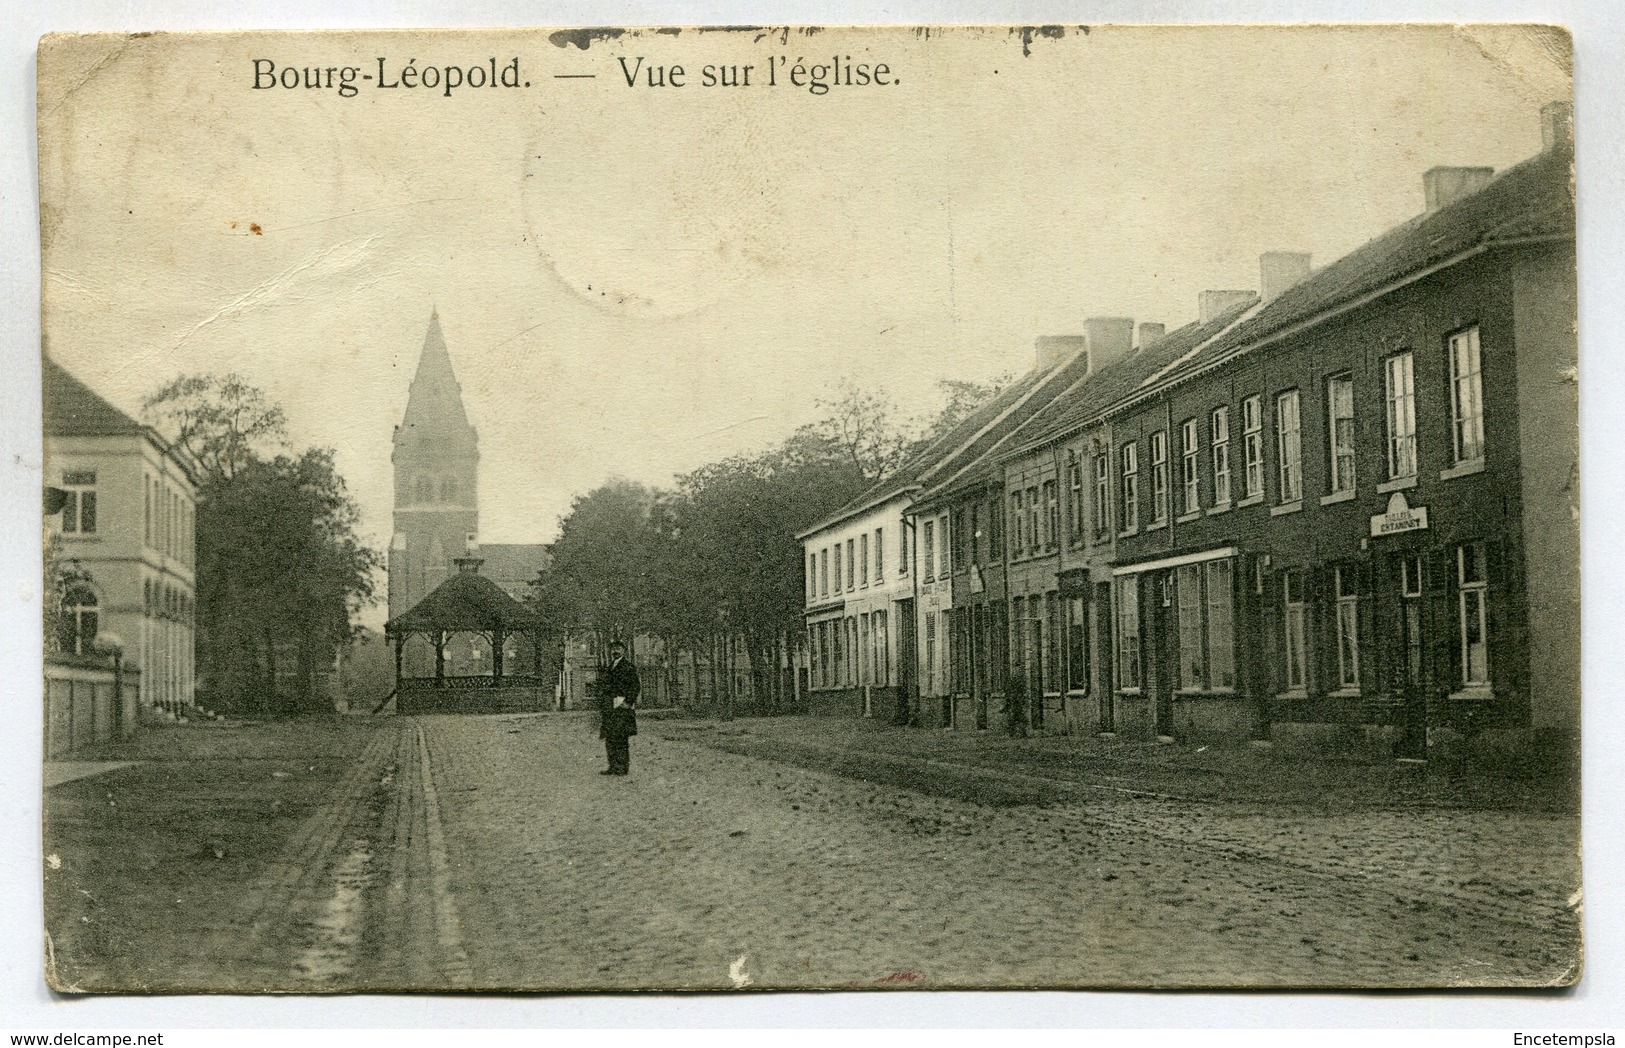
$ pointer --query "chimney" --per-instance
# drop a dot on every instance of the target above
(1150, 335)
(1109, 338)
(1210, 304)
(1443, 186)
(1279, 270)
(1557, 126)
(468, 565)
(1053, 350)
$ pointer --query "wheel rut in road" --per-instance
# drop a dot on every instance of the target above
(359, 899)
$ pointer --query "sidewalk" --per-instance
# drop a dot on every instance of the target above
(941, 760)
(59, 772)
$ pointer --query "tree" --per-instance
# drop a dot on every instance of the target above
(221, 421)
(280, 577)
(603, 562)
(961, 400)
(280, 571)
(714, 565)
(860, 427)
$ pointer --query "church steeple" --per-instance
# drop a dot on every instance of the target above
(436, 457)
(434, 404)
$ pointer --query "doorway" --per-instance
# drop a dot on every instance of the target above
(1408, 579)
(1165, 652)
(907, 663)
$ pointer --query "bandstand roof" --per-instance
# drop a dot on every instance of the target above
(467, 601)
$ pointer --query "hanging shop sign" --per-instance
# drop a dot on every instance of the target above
(1399, 518)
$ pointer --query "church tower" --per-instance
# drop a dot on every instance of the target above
(436, 459)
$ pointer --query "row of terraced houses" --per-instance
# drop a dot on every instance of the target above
(1340, 511)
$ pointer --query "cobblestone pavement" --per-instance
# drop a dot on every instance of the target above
(488, 853)
(709, 869)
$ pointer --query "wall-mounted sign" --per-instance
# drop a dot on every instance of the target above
(977, 583)
(1400, 517)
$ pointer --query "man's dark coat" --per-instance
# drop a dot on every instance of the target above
(620, 678)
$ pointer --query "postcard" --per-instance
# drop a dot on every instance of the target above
(767, 508)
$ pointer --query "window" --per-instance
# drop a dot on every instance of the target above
(1188, 593)
(882, 642)
(1219, 438)
(880, 555)
(1340, 431)
(959, 644)
(812, 576)
(1466, 398)
(863, 559)
(1074, 503)
(1128, 632)
(1077, 644)
(1252, 439)
(1401, 395)
(928, 549)
(78, 625)
(974, 539)
(1204, 596)
(1022, 652)
(930, 650)
(1344, 583)
(823, 570)
(1188, 452)
(1472, 595)
(995, 531)
(79, 513)
(146, 515)
(1052, 515)
(1293, 630)
(1159, 477)
(1034, 540)
(1103, 497)
(902, 550)
(1130, 491)
(1017, 543)
(837, 571)
(1289, 446)
(851, 565)
(982, 642)
(852, 663)
(1221, 640)
(944, 561)
(1052, 641)
(864, 657)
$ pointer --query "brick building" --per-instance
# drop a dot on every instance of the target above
(1337, 513)
(1380, 558)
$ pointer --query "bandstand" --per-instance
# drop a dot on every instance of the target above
(470, 605)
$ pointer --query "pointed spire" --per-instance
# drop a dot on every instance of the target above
(434, 406)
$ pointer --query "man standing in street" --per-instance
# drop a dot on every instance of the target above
(620, 688)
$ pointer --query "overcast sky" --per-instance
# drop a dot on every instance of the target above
(635, 281)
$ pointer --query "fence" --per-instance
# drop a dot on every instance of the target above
(86, 703)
